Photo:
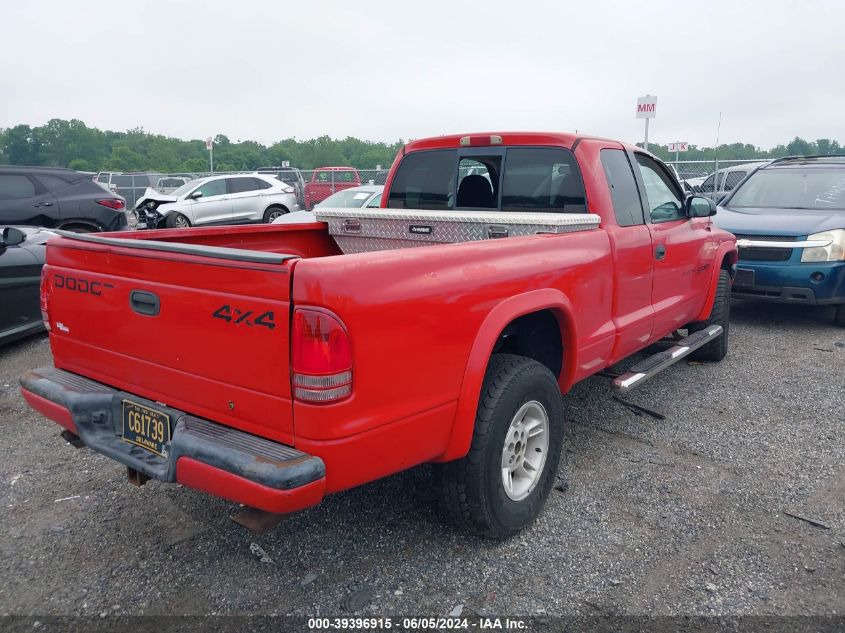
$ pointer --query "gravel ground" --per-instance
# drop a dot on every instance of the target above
(685, 515)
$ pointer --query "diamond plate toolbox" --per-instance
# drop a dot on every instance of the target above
(365, 230)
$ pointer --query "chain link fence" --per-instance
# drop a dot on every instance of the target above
(314, 185)
(699, 176)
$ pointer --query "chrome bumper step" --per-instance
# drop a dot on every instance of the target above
(653, 365)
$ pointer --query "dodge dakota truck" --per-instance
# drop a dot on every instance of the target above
(273, 365)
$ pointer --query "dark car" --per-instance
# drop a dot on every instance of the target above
(59, 198)
(22, 255)
(290, 176)
(789, 220)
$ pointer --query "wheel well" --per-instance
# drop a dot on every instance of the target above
(729, 263)
(70, 226)
(277, 206)
(535, 335)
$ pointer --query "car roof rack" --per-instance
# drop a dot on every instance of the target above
(837, 158)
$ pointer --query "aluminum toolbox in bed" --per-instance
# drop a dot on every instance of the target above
(364, 230)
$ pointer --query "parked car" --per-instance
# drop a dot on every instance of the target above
(21, 258)
(59, 198)
(278, 368)
(130, 186)
(328, 180)
(363, 197)
(789, 218)
(167, 184)
(290, 176)
(729, 178)
(235, 199)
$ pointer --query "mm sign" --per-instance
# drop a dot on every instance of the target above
(678, 147)
(646, 107)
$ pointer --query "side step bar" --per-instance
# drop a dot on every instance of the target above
(653, 365)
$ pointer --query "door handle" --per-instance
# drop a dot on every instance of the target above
(43, 204)
(143, 302)
(660, 252)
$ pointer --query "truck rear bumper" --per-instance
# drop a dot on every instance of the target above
(200, 454)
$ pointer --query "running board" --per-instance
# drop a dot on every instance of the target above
(653, 365)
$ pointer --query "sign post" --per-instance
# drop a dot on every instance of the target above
(209, 145)
(646, 109)
(679, 146)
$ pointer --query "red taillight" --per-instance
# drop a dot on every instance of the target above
(112, 203)
(322, 357)
(44, 297)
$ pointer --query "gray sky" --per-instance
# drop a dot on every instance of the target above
(267, 70)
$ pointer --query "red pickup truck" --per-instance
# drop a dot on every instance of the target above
(326, 181)
(272, 365)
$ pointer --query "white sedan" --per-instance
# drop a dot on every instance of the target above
(366, 196)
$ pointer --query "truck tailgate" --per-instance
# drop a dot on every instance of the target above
(198, 329)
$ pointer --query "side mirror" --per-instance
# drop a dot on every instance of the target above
(699, 207)
(12, 237)
(196, 194)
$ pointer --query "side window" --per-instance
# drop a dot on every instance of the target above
(663, 200)
(261, 184)
(213, 188)
(542, 179)
(240, 185)
(733, 179)
(375, 202)
(15, 187)
(478, 182)
(627, 205)
(53, 183)
(425, 180)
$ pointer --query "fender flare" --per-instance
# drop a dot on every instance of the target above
(726, 251)
(482, 348)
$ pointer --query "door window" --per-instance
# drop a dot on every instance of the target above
(664, 201)
(375, 202)
(627, 205)
(213, 188)
(15, 187)
(733, 179)
(542, 179)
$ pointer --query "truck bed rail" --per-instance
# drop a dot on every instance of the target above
(216, 252)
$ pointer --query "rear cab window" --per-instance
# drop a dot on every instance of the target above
(530, 179)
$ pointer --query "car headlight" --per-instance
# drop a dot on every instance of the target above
(833, 252)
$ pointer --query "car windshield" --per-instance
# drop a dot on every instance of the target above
(184, 188)
(347, 199)
(793, 188)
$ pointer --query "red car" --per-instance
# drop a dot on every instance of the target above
(265, 365)
(328, 180)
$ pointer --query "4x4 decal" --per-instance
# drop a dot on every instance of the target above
(238, 316)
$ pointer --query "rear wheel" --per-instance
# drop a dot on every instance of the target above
(839, 315)
(274, 213)
(80, 228)
(720, 315)
(501, 485)
(177, 221)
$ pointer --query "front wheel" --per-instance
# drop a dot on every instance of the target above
(177, 221)
(716, 350)
(500, 486)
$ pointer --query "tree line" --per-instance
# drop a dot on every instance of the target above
(73, 144)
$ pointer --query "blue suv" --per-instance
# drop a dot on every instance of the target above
(789, 220)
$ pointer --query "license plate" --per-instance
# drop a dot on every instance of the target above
(744, 277)
(145, 427)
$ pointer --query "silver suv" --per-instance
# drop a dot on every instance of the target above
(227, 199)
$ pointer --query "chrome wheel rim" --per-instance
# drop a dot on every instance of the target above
(181, 222)
(524, 451)
(274, 215)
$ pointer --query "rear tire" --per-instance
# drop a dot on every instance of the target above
(80, 228)
(719, 315)
(177, 221)
(273, 213)
(517, 438)
(839, 315)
